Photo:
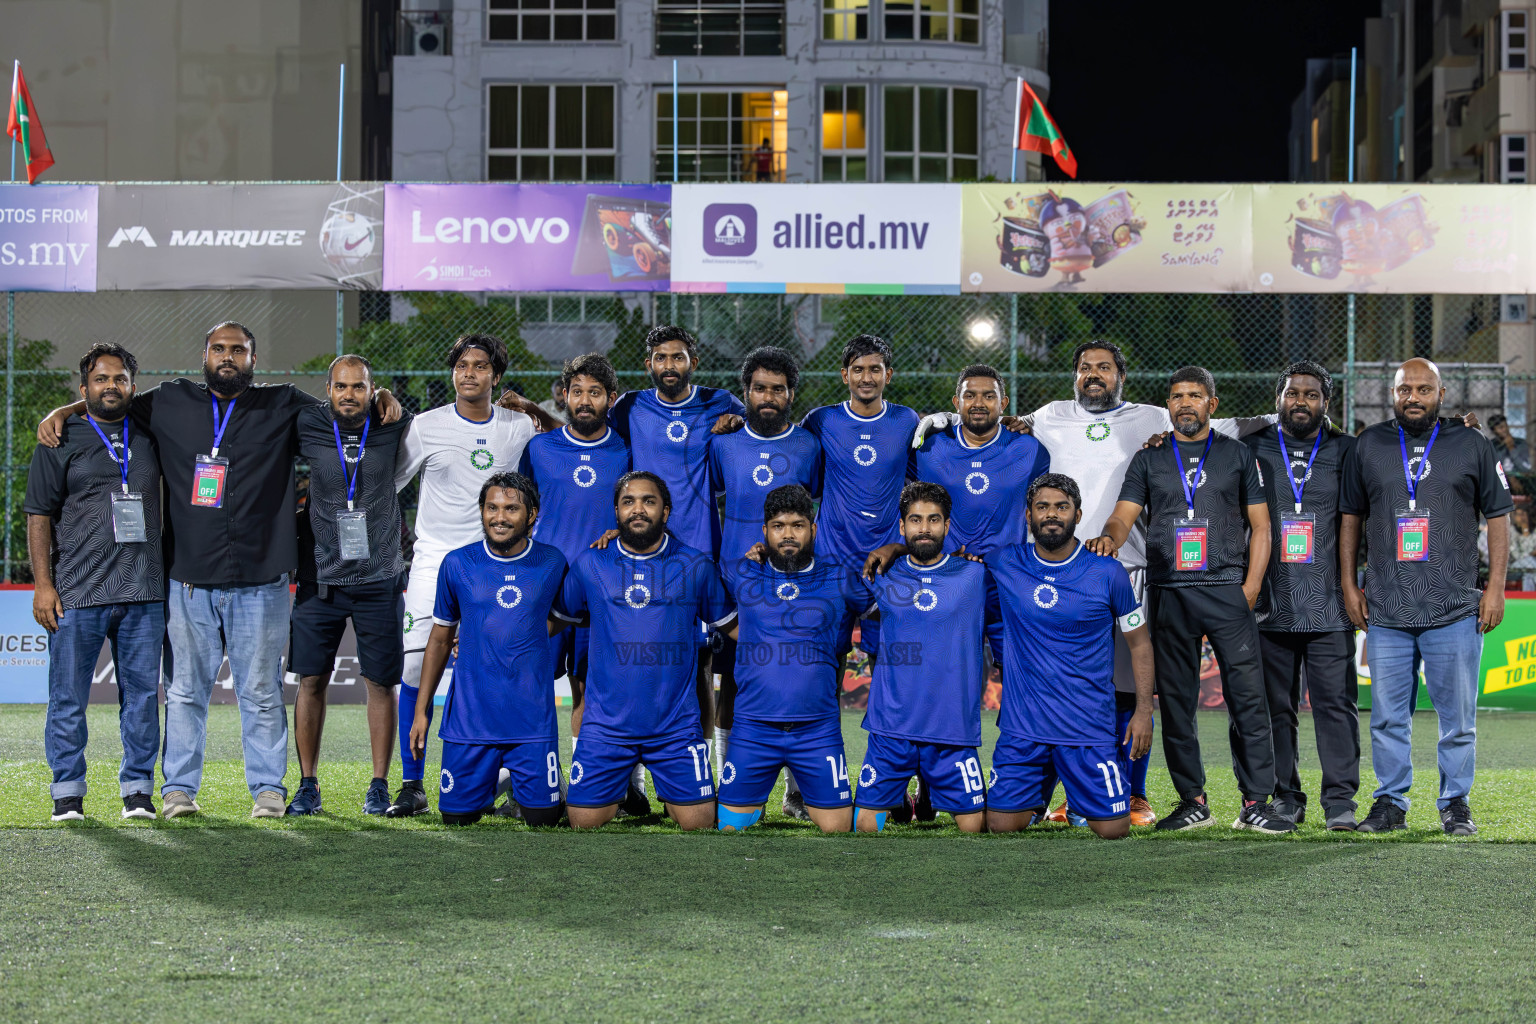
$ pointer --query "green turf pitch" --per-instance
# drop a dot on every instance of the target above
(343, 918)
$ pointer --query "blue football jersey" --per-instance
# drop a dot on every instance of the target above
(672, 441)
(867, 460)
(575, 480)
(788, 626)
(744, 466)
(501, 690)
(1059, 621)
(987, 485)
(645, 612)
(927, 681)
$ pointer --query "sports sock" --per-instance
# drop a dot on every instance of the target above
(637, 777)
(411, 767)
(790, 784)
(722, 740)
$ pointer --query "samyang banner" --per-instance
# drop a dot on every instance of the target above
(185, 237)
(48, 238)
(494, 237)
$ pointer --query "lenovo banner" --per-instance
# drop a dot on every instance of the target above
(817, 238)
(241, 236)
(48, 238)
(528, 238)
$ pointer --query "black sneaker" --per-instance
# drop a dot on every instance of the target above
(904, 812)
(1261, 816)
(1456, 818)
(138, 805)
(794, 806)
(306, 800)
(1385, 816)
(1188, 814)
(376, 802)
(68, 808)
(1291, 808)
(636, 804)
(411, 801)
(923, 810)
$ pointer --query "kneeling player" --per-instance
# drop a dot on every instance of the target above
(1060, 603)
(924, 714)
(790, 614)
(501, 597)
(644, 597)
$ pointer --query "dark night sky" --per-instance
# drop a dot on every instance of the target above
(1197, 91)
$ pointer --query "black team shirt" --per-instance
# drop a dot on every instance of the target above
(374, 495)
(1303, 597)
(1230, 483)
(1463, 479)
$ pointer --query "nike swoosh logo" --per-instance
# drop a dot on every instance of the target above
(353, 245)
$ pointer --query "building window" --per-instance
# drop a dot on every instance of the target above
(544, 21)
(941, 21)
(722, 136)
(844, 139)
(931, 133)
(550, 133)
(845, 21)
(1515, 48)
(719, 28)
(1512, 155)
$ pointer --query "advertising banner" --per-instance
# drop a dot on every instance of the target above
(1073, 236)
(241, 236)
(48, 238)
(1398, 239)
(870, 239)
(528, 238)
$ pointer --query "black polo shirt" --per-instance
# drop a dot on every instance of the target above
(1302, 597)
(251, 538)
(374, 496)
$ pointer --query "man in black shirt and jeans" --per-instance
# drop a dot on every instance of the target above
(1419, 483)
(93, 529)
(1301, 605)
(354, 520)
(1202, 493)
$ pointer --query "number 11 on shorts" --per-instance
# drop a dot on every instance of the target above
(1112, 789)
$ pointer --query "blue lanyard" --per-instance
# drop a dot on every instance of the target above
(1298, 487)
(122, 463)
(1412, 479)
(1178, 467)
(351, 478)
(219, 425)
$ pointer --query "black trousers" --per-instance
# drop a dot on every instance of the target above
(1180, 617)
(1326, 661)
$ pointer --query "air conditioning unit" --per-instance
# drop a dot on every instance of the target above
(431, 40)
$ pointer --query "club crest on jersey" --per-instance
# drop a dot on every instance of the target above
(584, 475)
(1098, 431)
(410, 622)
(973, 487)
(925, 600)
(1498, 467)
(446, 783)
(516, 599)
(1413, 467)
(762, 475)
(786, 591)
(727, 774)
(872, 776)
(865, 454)
(1133, 620)
(481, 458)
(1046, 596)
(1189, 477)
(1300, 463)
(644, 592)
(677, 431)
(577, 772)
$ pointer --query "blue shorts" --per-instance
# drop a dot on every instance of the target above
(679, 767)
(812, 750)
(1024, 774)
(869, 635)
(470, 770)
(953, 775)
(568, 650)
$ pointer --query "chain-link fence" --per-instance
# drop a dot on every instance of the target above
(1482, 343)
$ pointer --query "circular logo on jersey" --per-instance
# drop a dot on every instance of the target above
(992, 778)
(1098, 431)
(447, 781)
(869, 771)
(1046, 596)
(644, 592)
(762, 475)
(925, 600)
(481, 458)
(1300, 464)
(576, 772)
(787, 591)
(1189, 478)
(501, 596)
(727, 774)
(584, 475)
(1133, 620)
(410, 622)
(973, 487)
(677, 431)
(865, 454)
(1413, 467)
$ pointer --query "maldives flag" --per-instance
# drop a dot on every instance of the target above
(26, 129)
(1039, 133)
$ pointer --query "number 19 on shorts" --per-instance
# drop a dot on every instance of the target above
(970, 778)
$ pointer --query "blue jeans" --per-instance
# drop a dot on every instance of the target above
(136, 632)
(1450, 655)
(250, 624)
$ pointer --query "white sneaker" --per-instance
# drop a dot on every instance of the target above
(269, 804)
(177, 804)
